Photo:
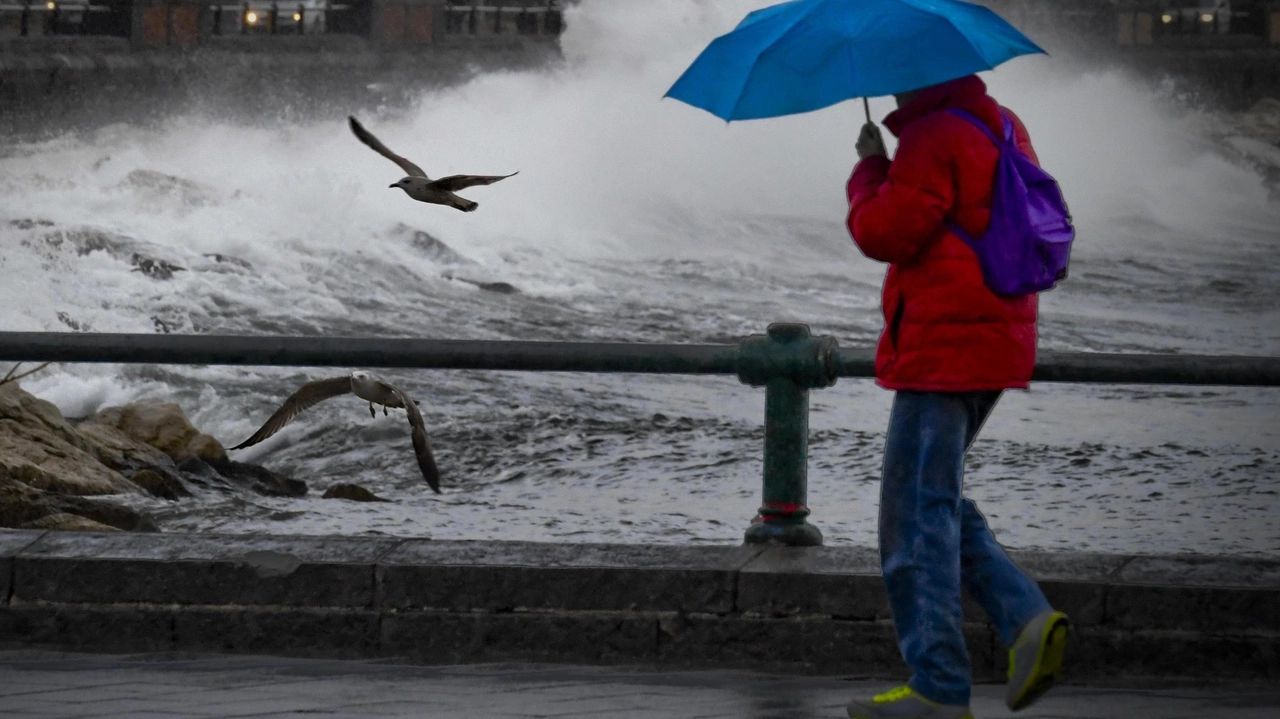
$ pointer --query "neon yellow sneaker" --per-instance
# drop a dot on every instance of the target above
(1035, 660)
(904, 703)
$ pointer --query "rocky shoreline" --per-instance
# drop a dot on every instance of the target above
(55, 471)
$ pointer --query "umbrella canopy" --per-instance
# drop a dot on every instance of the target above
(807, 54)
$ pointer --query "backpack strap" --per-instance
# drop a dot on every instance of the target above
(1008, 135)
(1008, 126)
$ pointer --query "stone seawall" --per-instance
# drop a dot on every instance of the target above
(812, 610)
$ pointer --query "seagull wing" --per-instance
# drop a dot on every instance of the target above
(453, 183)
(308, 395)
(367, 138)
(421, 447)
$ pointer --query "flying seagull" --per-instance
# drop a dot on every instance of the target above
(422, 188)
(367, 387)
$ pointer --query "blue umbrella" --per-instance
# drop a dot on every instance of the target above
(808, 54)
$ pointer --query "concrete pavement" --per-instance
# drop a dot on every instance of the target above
(44, 685)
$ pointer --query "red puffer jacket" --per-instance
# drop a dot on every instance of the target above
(944, 330)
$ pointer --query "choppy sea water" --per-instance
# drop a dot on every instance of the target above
(642, 220)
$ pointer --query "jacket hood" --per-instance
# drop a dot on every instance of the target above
(968, 93)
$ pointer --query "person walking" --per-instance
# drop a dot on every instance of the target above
(950, 347)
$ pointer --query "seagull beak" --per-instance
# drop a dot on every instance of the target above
(394, 186)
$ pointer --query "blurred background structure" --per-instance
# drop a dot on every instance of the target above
(56, 52)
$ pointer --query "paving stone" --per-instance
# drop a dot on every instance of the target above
(568, 691)
(141, 714)
(116, 706)
(12, 541)
(839, 582)
(502, 576)
(1202, 609)
(842, 582)
(77, 695)
(39, 703)
(511, 600)
(1073, 582)
(1196, 593)
(1108, 654)
(1084, 602)
(793, 644)
(803, 644)
(449, 638)
(258, 706)
(349, 633)
(199, 569)
(1201, 571)
(1069, 566)
(71, 627)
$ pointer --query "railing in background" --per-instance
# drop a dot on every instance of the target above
(786, 361)
(184, 24)
(1238, 17)
(286, 18)
(496, 17)
(1187, 23)
(48, 17)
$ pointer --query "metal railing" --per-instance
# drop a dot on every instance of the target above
(1184, 19)
(787, 361)
(283, 17)
(497, 17)
(69, 17)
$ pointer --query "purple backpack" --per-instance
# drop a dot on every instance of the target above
(1028, 243)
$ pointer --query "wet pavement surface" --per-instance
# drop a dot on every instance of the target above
(40, 685)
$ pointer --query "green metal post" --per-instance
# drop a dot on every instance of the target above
(787, 362)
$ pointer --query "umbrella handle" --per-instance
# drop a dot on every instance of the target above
(866, 105)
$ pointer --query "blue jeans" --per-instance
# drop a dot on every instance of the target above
(933, 541)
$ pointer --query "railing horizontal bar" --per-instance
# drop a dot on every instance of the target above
(368, 352)
(1091, 367)
(1083, 367)
(1108, 368)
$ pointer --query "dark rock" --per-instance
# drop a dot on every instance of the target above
(28, 223)
(68, 522)
(121, 452)
(112, 515)
(20, 504)
(250, 476)
(88, 241)
(47, 463)
(162, 425)
(38, 447)
(160, 187)
(228, 260)
(353, 492)
(434, 249)
(501, 288)
(154, 268)
(160, 484)
(66, 319)
(24, 506)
